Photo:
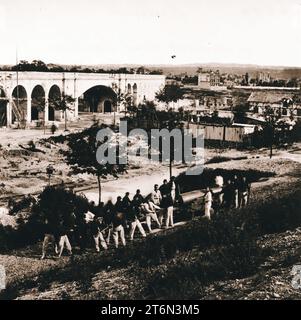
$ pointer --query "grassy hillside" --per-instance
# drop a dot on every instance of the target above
(236, 250)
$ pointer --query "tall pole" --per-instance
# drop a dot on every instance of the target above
(17, 65)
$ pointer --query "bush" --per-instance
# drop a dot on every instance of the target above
(188, 183)
(56, 207)
(21, 205)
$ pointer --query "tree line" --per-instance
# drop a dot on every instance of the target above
(40, 66)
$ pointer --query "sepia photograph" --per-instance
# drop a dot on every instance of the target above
(150, 151)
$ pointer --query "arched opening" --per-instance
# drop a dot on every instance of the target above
(51, 114)
(37, 103)
(107, 106)
(3, 104)
(19, 100)
(53, 96)
(135, 94)
(100, 99)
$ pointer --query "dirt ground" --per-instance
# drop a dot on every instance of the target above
(23, 172)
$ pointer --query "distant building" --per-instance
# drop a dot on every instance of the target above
(284, 103)
(209, 79)
(264, 77)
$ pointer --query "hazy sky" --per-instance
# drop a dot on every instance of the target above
(139, 31)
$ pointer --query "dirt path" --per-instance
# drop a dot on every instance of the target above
(144, 182)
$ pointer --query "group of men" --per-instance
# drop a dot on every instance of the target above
(112, 220)
(234, 194)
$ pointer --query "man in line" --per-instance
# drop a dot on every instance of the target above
(49, 236)
(227, 194)
(119, 204)
(208, 203)
(169, 203)
(126, 202)
(138, 199)
(165, 191)
(132, 216)
(148, 208)
(63, 238)
(156, 198)
(245, 192)
(235, 186)
(109, 212)
(174, 189)
(97, 228)
(219, 182)
(118, 222)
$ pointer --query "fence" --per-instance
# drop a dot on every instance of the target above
(235, 133)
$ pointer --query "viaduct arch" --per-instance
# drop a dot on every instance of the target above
(29, 95)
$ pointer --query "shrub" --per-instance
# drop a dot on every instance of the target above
(21, 205)
(56, 206)
(188, 183)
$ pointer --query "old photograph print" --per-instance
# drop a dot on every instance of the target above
(150, 150)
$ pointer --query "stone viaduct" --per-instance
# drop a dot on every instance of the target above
(20, 92)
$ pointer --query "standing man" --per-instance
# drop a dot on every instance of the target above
(118, 229)
(174, 189)
(208, 203)
(138, 198)
(126, 202)
(156, 198)
(169, 211)
(245, 192)
(227, 194)
(50, 235)
(119, 204)
(97, 228)
(235, 186)
(63, 239)
(148, 208)
(219, 182)
(165, 191)
(132, 217)
(99, 210)
(109, 212)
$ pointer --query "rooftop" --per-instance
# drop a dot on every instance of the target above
(270, 97)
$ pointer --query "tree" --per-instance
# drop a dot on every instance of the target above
(142, 70)
(81, 155)
(126, 100)
(271, 123)
(240, 112)
(57, 207)
(63, 104)
(35, 65)
(170, 93)
(156, 72)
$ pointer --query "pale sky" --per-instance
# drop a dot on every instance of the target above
(266, 32)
